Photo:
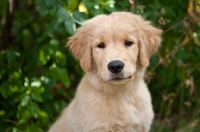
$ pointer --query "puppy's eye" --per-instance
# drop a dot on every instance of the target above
(128, 43)
(101, 45)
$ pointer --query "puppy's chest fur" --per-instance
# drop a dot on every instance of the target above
(112, 113)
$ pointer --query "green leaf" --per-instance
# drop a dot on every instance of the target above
(15, 74)
(70, 26)
(16, 130)
(58, 26)
(2, 112)
(10, 55)
(25, 100)
(73, 4)
(50, 27)
(180, 73)
(4, 89)
(110, 9)
(49, 3)
(35, 84)
(34, 108)
(36, 97)
(36, 94)
(7, 89)
(53, 10)
(43, 10)
(59, 74)
(23, 113)
(79, 16)
(64, 77)
(42, 57)
(182, 54)
(54, 42)
(62, 14)
(42, 114)
(33, 128)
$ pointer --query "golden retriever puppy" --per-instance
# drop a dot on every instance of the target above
(114, 51)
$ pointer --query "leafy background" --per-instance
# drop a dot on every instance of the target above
(38, 75)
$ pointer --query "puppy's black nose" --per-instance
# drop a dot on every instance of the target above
(115, 66)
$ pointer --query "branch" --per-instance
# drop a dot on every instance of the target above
(7, 30)
(172, 27)
(10, 121)
(191, 15)
(132, 2)
(172, 52)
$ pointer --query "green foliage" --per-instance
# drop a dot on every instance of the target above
(38, 75)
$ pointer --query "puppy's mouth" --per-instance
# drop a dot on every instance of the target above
(116, 79)
(120, 79)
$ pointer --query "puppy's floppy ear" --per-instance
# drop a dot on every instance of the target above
(150, 39)
(79, 44)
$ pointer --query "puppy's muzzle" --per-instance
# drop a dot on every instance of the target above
(115, 66)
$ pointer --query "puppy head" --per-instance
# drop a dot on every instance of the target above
(113, 46)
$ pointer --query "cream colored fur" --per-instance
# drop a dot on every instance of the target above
(102, 104)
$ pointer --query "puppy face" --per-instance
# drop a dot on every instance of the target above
(115, 51)
(114, 46)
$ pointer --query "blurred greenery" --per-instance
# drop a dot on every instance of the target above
(38, 75)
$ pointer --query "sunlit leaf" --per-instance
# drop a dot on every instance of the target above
(73, 4)
(25, 100)
(42, 114)
(82, 8)
(35, 84)
(54, 42)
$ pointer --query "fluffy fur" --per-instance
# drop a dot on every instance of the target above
(103, 104)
